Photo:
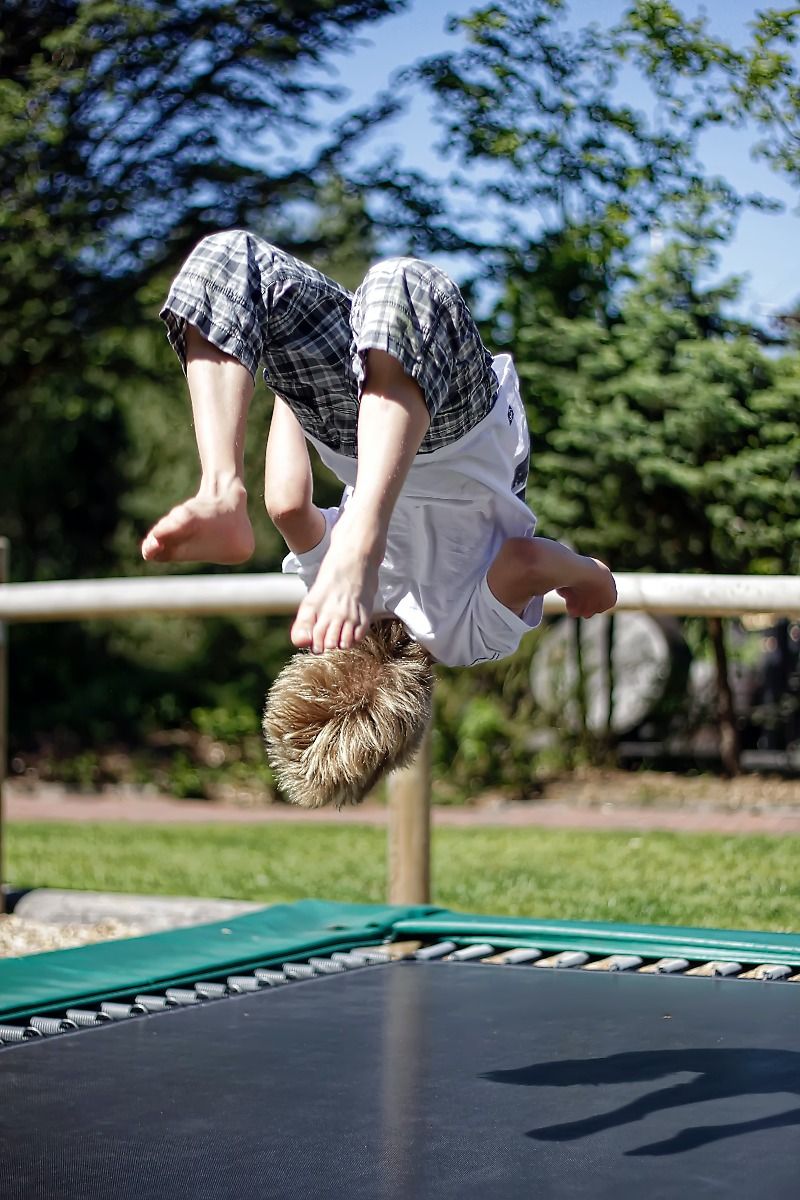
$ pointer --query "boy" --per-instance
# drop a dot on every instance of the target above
(427, 432)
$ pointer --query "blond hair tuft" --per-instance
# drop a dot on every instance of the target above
(335, 723)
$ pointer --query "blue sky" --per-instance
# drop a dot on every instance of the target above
(763, 247)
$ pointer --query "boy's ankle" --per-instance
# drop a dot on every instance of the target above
(222, 485)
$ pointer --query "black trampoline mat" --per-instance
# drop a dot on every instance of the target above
(419, 1080)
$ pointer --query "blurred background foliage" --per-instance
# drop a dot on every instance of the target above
(664, 427)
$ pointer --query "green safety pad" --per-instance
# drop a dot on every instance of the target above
(59, 979)
(601, 937)
(87, 974)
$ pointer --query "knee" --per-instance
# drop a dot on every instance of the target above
(412, 274)
(285, 505)
(215, 243)
(238, 245)
(288, 495)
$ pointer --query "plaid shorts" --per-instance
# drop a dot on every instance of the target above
(310, 335)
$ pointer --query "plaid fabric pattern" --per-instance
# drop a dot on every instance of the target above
(310, 336)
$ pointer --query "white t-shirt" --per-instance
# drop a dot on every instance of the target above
(456, 508)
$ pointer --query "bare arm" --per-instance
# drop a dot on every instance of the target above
(392, 422)
(288, 484)
(528, 567)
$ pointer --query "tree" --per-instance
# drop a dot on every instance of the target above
(676, 447)
(663, 430)
(754, 88)
(532, 117)
(126, 133)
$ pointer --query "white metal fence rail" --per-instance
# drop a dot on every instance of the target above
(270, 595)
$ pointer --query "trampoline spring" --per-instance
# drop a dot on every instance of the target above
(716, 968)
(50, 1026)
(243, 983)
(438, 950)
(182, 996)
(154, 1003)
(564, 960)
(211, 991)
(9, 1034)
(271, 977)
(665, 966)
(349, 960)
(516, 957)
(467, 953)
(767, 971)
(615, 962)
(326, 966)
(84, 1017)
(298, 971)
(118, 1011)
(624, 962)
(371, 956)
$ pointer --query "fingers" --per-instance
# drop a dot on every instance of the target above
(334, 635)
(318, 633)
(580, 603)
(346, 635)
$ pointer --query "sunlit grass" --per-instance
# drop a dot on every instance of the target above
(664, 878)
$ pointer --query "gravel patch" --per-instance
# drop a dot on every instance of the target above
(19, 937)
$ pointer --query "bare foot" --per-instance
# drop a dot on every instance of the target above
(337, 611)
(597, 594)
(207, 528)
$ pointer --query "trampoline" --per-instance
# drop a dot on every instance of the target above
(348, 1051)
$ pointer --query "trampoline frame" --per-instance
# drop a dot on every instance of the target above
(115, 973)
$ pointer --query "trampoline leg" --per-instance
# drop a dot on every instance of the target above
(409, 793)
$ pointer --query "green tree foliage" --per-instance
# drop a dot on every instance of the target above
(126, 133)
(676, 444)
(534, 119)
(663, 434)
(755, 86)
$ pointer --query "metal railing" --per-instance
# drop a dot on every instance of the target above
(409, 790)
(270, 595)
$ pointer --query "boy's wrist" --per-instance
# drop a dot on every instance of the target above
(364, 529)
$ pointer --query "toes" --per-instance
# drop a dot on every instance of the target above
(156, 546)
(150, 547)
(176, 521)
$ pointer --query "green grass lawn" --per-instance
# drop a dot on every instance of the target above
(677, 879)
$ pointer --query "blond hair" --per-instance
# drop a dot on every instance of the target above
(334, 723)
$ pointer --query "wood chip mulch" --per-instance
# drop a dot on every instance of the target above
(19, 937)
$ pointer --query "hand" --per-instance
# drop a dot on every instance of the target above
(595, 595)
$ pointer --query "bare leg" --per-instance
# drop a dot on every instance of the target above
(213, 526)
(393, 420)
(528, 567)
(288, 484)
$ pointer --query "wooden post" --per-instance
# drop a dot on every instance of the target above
(4, 551)
(409, 796)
